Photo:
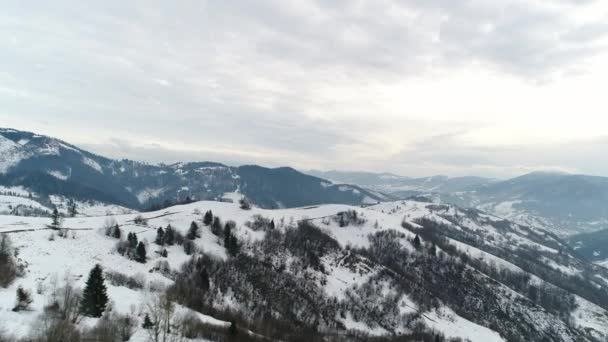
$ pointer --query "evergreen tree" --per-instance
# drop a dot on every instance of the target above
(433, 250)
(147, 322)
(204, 279)
(132, 238)
(140, 253)
(94, 296)
(193, 231)
(216, 226)
(272, 225)
(24, 299)
(189, 247)
(208, 218)
(233, 246)
(55, 218)
(233, 330)
(164, 253)
(169, 235)
(116, 232)
(417, 242)
(342, 222)
(160, 236)
(227, 234)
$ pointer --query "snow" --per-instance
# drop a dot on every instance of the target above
(589, 315)
(93, 164)
(148, 193)
(233, 197)
(10, 154)
(58, 174)
(8, 203)
(82, 249)
(452, 325)
(19, 190)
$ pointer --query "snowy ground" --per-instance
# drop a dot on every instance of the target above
(73, 257)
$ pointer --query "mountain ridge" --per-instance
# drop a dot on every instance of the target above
(52, 166)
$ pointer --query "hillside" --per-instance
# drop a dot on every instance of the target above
(405, 268)
(48, 166)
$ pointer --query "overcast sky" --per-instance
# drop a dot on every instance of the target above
(482, 87)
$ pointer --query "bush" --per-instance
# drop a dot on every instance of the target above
(259, 223)
(140, 220)
(245, 204)
(136, 282)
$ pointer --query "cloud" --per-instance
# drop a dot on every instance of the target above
(325, 84)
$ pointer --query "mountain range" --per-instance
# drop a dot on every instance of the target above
(566, 204)
(46, 166)
(330, 256)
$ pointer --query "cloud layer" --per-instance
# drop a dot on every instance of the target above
(415, 87)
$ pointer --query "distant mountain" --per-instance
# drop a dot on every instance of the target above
(563, 203)
(593, 246)
(48, 166)
(400, 185)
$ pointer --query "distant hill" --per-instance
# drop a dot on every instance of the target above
(50, 166)
(564, 203)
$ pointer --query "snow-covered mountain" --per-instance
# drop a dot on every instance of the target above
(565, 204)
(49, 166)
(401, 186)
(409, 270)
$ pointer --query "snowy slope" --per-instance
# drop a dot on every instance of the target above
(74, 256)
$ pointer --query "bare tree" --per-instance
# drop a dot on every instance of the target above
(161, 311)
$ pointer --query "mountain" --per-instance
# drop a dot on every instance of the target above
(396, 271)
(566, 204)
(401, 186)
(49, 166)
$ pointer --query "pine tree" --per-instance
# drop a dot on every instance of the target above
(24, 299)
(116, 232)
(233, 246)
(227, 235)
(208, 218)
(342, 222)
(94, 296)
(55, 218)
(147, 322)
(132, 238)
(140, 253)
(272, 225)
(204, 279)
(417, 242)
(160, 236)
(216, 226)
(169, 235)
(233, 330)
(433, 250)
(189, 247)
(193, 231)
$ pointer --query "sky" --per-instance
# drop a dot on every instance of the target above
(492, 88)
